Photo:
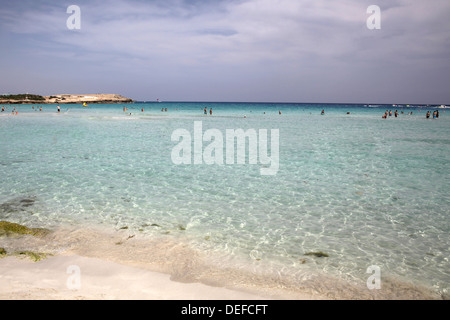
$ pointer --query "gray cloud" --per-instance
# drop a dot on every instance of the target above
(310, 50)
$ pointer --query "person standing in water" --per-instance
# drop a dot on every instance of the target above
(59, 109)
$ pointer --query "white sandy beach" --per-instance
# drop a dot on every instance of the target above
(54, 278)
(115, 267)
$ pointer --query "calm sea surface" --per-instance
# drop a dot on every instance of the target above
(364, 190)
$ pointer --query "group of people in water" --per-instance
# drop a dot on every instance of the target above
(205, 111)
(13, 112)
(435, 114)
(16, 112)
(389, 113)
(35, 108)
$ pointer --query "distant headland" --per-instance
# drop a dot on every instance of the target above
(63, 98)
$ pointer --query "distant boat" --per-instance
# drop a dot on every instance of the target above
(443, 106)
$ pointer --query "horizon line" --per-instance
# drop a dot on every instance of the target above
(281, 102)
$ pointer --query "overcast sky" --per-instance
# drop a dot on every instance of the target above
(233, 50)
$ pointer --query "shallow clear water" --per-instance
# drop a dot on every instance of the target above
(365, 190)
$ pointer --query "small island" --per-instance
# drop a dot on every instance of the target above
(63, 99)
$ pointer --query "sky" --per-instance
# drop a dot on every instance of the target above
(317, 51)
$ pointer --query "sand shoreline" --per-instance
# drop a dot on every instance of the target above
(56, 278)
(113, 266)
(116, 264)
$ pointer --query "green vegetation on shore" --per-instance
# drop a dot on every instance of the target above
(35, 256)
(10, 229)
(22, 96)
(13, 229)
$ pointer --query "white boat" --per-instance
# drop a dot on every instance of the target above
(443, 106)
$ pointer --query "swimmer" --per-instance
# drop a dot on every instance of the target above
(323, 112)
(428, 115)
(59, 109)
(210, 111)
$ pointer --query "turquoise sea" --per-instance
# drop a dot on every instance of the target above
(365, 191)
